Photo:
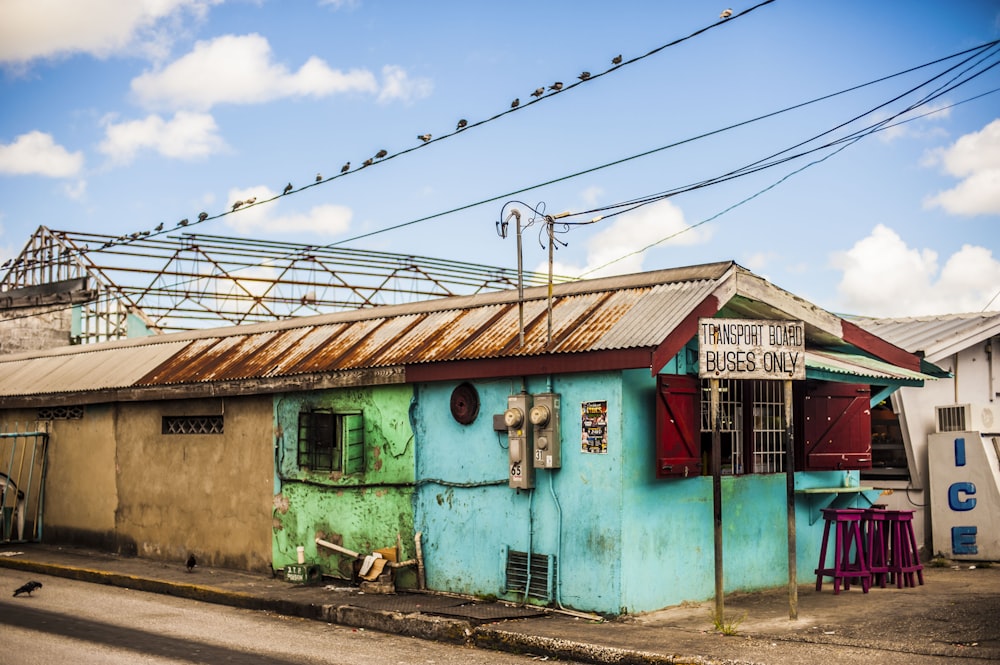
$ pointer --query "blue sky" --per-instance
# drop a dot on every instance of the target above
(119, 115)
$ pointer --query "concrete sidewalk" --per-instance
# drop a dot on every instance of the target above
(954, 615)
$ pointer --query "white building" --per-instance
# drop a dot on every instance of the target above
(928, 471)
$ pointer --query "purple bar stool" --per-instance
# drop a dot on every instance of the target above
(904, 558)
(846, 526)
(876, 537)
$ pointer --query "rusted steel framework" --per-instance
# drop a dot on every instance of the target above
(171, 283)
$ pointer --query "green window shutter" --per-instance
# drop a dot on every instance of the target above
(353, 437)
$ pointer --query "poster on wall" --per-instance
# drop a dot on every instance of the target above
(594, 427)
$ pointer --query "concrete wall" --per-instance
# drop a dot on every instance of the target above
(363, 511)
(34, 328)
(203, 493)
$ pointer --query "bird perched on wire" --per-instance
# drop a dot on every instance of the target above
(380, 154)
(288, 188)
(319, 177)
(237, 205)
(514, 104)
(617, 60)
(584, 76)
(424, 137)
(250, 201)
(27, 588)
(462, 124)
(538, 92)
(159, 227)
(202, 216)
(191, 563)
(726, 13)
(367, 162)
(345, 168)
(557, 86)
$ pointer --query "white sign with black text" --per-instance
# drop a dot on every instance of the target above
(751, 349)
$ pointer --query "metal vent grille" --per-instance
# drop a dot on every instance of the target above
(61, 413)
(540, 583)
(192, 425)
(953, 418)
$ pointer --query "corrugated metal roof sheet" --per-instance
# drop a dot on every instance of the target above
(859, 365)
(937, 337)
(635, 312)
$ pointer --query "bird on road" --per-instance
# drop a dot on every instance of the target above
(288, 188)
(27, 588)
(726, 13)
(191, 563)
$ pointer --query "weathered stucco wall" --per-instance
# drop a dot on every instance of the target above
(469, 516)
(207, 494)
(361, 511)
(80, 496)
(35, 328)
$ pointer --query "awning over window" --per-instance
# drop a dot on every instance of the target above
(843, 366)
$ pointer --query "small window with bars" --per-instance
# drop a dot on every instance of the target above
(749, 445)
(192, 425)
(331, 441)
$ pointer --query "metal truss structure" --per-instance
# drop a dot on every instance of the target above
(172, 283)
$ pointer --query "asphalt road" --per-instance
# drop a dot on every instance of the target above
(83, 623)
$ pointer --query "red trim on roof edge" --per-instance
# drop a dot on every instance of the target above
(683, 333)
(529, 365)
(864, 340)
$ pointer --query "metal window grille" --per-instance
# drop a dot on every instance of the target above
(331, 441)
(192, 425)
(541, 584)
(730, 417)
(60, 413)
(768, 427)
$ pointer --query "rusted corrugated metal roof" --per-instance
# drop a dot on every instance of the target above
(610, 315)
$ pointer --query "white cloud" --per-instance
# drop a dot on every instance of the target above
(619, 248)
(591, 195)
(33, 29)
(36, 153)
(975, 158)
(397, 85)
(185, 136)
(258, 220)
(882, 276)
(240, 70)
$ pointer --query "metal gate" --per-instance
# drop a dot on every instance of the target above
(22, 481)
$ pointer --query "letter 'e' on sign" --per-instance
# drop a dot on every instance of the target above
(751, 349)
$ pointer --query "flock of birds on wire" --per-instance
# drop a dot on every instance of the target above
(346, 168)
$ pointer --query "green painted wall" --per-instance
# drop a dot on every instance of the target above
(362, 511)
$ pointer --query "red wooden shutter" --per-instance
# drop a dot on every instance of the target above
(837, 427)
(678, 431)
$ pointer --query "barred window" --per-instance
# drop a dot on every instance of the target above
(749, 445)
(330, 441)
(193, 425)
(61, 413)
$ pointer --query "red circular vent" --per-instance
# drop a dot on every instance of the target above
(464, 403)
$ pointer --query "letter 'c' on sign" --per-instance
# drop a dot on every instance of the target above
(959, 504)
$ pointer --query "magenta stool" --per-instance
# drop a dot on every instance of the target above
(904, 558)
(876, 538)
(846, 526)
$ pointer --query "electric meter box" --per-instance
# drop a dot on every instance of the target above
(544, 417)
(521, 471)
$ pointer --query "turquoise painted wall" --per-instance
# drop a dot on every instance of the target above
(363, 511)
(573, 512)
